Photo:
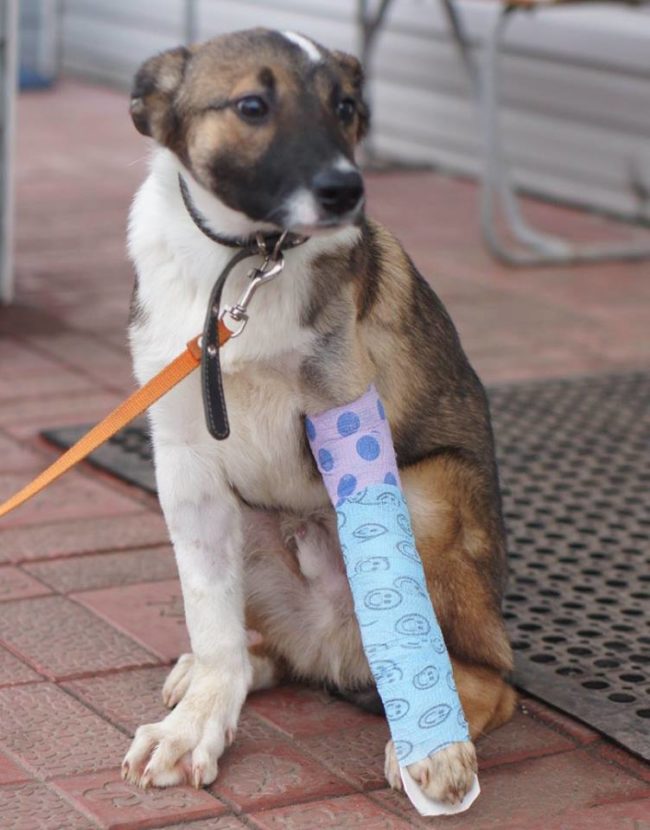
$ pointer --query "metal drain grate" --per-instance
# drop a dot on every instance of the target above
(574, 458)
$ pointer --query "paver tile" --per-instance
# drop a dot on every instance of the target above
(19, 458)
(26, 417)
(20, 361)
(33, 806)
(559, 721)
(522, 737)
(60, 638)
(252, 728)
(57, 381)
(26, 373)
(15, 584)
(634, 815)
(11, 773)
(260, 775)
(116, 805)
(355, 812)
(537, 792)
(73, 496)
(300, 712)
(126, 698)
(397, 802)
(133, 697)
(13, 671)
(106, 570)
(223, 823)
(151, 613)
(356, 754)
(82, 350)
(53, 734)
(66, 538)
(613, 754)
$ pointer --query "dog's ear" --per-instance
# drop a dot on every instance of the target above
(353, 69)
(152, 96)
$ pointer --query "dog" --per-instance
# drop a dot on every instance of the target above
(262, 128)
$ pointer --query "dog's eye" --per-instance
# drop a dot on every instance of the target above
(252, 108)
(346, 109)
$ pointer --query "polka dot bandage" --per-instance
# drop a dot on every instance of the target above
(401, 636)
(353, 447)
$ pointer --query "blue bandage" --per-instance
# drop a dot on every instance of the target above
(401, 636)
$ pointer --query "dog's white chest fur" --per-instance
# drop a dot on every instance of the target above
(264, 457)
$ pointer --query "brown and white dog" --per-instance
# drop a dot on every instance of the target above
(263, 127)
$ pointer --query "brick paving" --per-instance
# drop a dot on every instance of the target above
(90, 616)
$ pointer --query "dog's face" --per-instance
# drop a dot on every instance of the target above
(267, 122)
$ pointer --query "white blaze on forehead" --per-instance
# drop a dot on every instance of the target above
(308, 46)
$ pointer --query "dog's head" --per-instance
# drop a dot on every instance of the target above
(267, 122)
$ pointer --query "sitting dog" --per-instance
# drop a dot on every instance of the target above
(261, 127)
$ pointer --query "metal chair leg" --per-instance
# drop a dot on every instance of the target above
(535, 247)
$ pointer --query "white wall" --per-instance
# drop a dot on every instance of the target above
(576, 81)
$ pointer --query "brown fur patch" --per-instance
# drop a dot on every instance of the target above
(488, 701)
(459, 548)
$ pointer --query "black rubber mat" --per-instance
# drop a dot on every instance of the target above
(574, 459)
(127, 454)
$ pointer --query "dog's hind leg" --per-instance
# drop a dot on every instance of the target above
(298, 598)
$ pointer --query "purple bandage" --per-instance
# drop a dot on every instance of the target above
(353, 447)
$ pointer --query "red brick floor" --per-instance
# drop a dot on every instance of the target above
(89, 604)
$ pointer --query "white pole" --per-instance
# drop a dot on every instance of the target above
(8, 52)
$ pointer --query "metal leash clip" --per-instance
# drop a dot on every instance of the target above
(270, 268)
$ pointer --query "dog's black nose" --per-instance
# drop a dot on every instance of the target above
(338, 191)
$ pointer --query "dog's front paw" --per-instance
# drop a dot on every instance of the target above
(186, 746)
(445, 776)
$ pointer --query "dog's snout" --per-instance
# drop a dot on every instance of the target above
(338, 191)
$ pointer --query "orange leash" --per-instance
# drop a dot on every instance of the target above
(134, 405)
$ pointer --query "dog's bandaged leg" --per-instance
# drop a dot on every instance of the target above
(401, 637)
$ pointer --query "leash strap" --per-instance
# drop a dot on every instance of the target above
(214, 402)
(134, 405)
(203, 350)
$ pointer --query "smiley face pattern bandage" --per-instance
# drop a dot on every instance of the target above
(401, 637)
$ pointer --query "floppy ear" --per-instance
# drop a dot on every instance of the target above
(353, 69)
(152, 97)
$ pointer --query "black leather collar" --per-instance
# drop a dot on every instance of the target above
(261, 243)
